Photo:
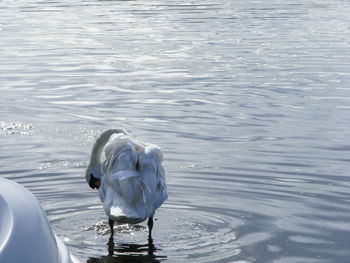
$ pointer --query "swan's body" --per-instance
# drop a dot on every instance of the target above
(130, 176)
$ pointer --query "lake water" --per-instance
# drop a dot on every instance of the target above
(249, 101)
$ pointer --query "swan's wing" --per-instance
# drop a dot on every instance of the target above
(147, 167)
(161, 193)
(161, 182)
(152, 174)
(152, 161)
(127, 185)
(120, 154)
(120, 169)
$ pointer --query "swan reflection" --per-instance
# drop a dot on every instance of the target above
(129, 252)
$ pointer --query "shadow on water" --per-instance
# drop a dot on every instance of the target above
(131, 253)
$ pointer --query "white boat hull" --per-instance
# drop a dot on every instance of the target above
(25, 231)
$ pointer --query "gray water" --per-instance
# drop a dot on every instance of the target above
(249, 101)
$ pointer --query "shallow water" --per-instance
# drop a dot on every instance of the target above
(249, 101)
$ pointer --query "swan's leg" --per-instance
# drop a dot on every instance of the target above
(110, 245)
(151, 247)
(150, 226)
(111, 224)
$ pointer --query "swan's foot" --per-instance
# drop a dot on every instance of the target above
(150, 226)
(111, 224)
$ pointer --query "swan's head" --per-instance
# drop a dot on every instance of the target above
(92, 176)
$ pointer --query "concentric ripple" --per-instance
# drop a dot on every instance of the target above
(180, 233)
(199, 235)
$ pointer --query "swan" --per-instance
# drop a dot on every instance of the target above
(129, 177)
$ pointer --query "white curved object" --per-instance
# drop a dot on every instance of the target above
(131, 175)
(25, 232)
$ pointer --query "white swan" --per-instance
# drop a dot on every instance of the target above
(129, 177)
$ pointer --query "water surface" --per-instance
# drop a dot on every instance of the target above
(249, 101)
